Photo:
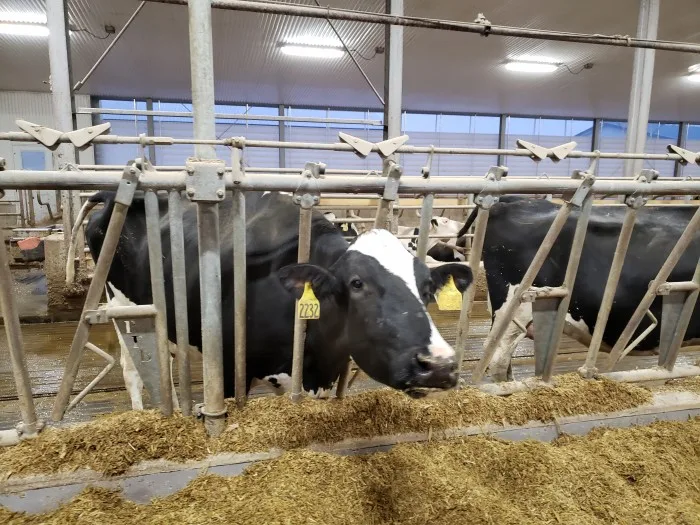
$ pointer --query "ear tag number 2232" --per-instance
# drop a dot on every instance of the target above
(448, 297)
(308, 306)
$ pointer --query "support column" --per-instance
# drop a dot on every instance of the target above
(502, 125)
(282, 137)
(393, 72)
(642, 80)
(63, 105)
(151, 130)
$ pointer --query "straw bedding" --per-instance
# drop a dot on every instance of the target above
(646, 475)
(111, 444)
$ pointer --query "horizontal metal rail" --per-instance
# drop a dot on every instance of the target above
(20, 136)
(485, 29)
(227, 116)
(151, 180)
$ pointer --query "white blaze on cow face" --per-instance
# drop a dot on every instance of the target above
(388, 251)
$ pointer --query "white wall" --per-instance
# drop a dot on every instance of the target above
(36, 108)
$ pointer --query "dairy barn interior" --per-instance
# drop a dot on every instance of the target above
(356, 262)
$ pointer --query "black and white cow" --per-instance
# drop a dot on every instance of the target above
(348, 229)
(373, 295)
(447, 229)
(515, 230)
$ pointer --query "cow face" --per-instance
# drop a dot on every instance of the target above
(375, 298)
(444, 226)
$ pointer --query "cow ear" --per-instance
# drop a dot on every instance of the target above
(461, 273)
(434, 222)
(294, 276)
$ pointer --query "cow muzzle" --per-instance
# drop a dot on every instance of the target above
(432, 374)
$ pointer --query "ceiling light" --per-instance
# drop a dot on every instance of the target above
(694, 78)
(22, 18)
(695, 68)
(24, 29)
(311, 51)
(531, 67)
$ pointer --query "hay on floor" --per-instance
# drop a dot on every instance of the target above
(113, 443)
(647, 475)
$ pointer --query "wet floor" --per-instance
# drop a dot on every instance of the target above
(47, 346)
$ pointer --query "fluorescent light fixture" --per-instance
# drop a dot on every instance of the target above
(23, 29)
(531, 67)
(22, 18)
(695, 68)
(311, 51)
(694, 78)
(308, 40)
(23, 24)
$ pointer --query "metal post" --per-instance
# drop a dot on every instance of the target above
(596, 134)
(682, 139)
(304, 252)
(392, 173)
(155, 259)
(177, 257)
(13, 331)
(642, 81)
(282, 136)
(501, 324)
(426, 215)
(677, 309)
(678, 250)
(477, 248)
(239, 280)
(22, 212)
(122, 201)
(393, 72)
(549, 314)
(63, 105)
(151, 129)
(589, 369)
(202, 68)
(502, 127)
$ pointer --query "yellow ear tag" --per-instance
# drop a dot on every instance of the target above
(308, 306)
(448, 297)
(344, 226)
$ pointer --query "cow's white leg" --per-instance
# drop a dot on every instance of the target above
(500, 366)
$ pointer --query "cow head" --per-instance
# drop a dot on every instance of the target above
(374, 297)
(445, 227)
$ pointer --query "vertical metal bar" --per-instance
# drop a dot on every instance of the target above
(642, 81)
(426, 215)
(177, 256)
(623, 242)
(210, 299)
(678, 250)
(22, 214)
(304, 251)
(151, 130)
(669, 354)
(502, 127)
(482, 218)
(393, 72)
(239, 282)
(30, 208)
(343, 379)
(92, 299)
(155, 259)
(596, 134)
(392, 173)
(16, 346)
(282, 137)
(63, 105)
(682, 140)
(202, 70)
(551, 346)
(502, 323)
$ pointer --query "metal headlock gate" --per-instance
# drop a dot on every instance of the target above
(205, 181)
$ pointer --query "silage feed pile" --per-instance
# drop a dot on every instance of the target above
(646, 475)
(111, 444)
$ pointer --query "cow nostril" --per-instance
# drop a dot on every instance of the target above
(425, 363)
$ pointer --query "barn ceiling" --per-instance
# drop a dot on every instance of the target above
(443, 71)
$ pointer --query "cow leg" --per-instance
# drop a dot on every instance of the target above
(500, 365)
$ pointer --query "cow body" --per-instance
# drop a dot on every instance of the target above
(373, 295)
(448, 229)
(515, 231)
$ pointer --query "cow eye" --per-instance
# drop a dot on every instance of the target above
(356, 283)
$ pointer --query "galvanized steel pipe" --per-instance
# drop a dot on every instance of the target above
(304, 252)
